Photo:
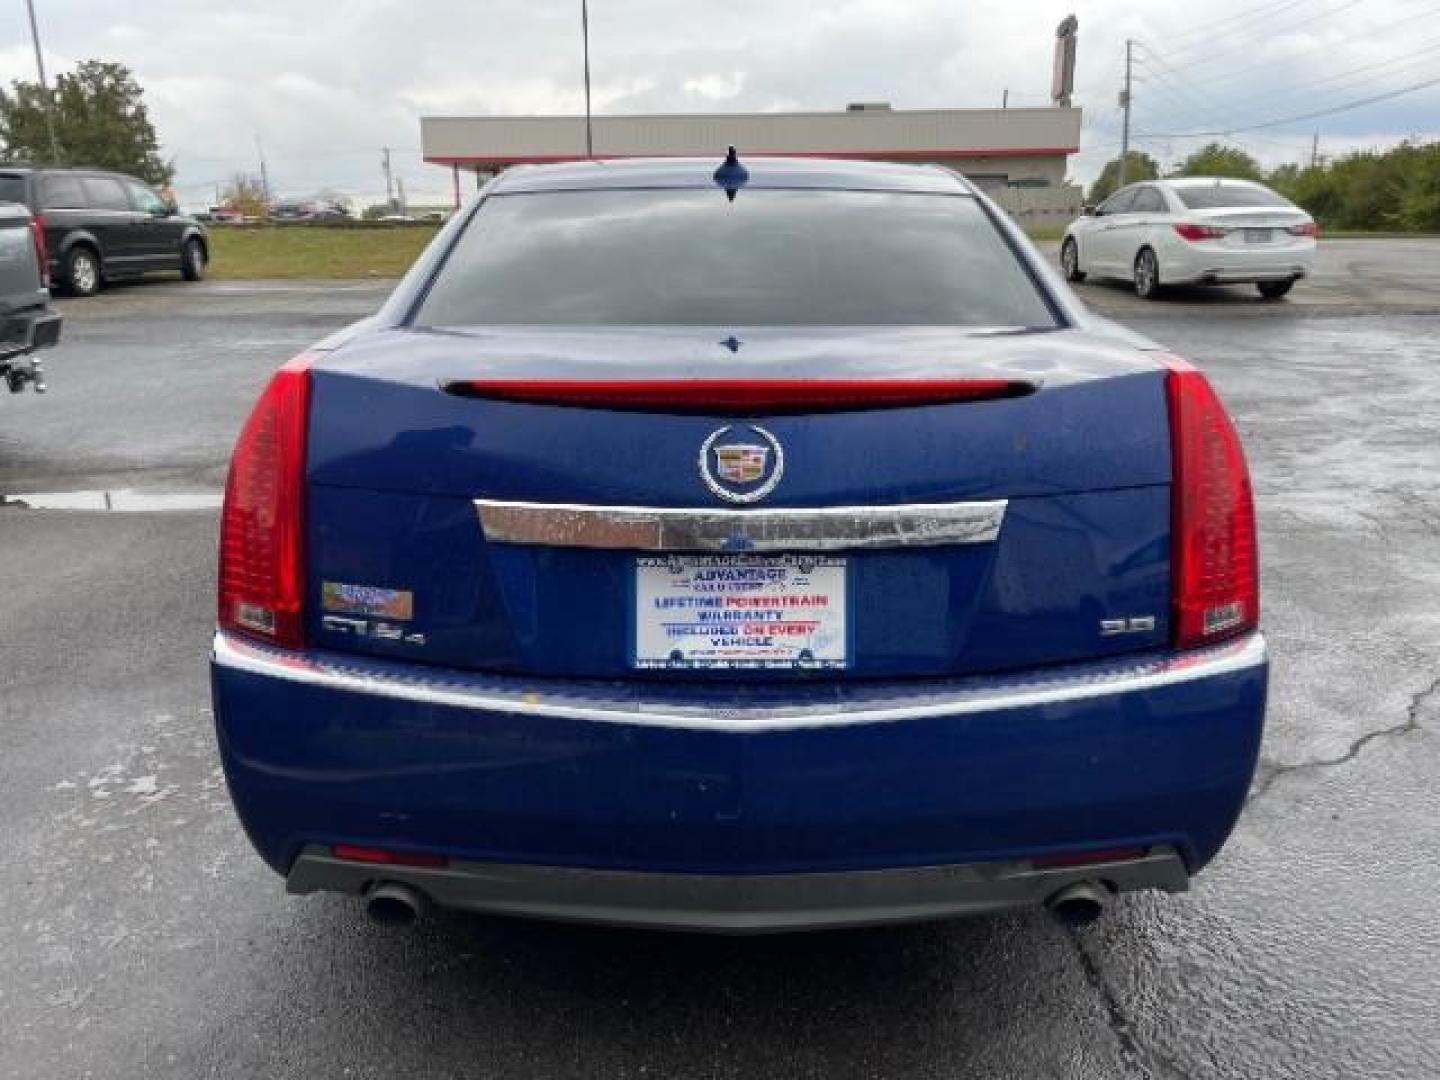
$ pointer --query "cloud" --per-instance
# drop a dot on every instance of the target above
(323, 88)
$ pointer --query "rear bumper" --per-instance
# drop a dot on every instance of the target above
(26, 331)
(737, 903)
(706, 805)
(1210, 263)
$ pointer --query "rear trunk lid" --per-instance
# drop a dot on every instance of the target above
(1024, 530)
(1248, 226)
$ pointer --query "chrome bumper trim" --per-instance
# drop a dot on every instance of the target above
(831, 528)
(736, 903)
(645, 703)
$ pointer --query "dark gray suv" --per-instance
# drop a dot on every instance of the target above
(100, 226)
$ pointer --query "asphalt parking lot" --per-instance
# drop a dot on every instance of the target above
(139, 935)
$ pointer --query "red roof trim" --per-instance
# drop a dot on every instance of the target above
(859, 155)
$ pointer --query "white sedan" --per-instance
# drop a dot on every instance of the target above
(1192, 230)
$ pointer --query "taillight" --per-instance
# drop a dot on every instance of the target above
(1308, 228)
(42, 257)
(1215, 578)
(753, 397)
(1190, 231)
(262, 557)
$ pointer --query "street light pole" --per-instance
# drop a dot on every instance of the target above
(44, 85)
(585, 35)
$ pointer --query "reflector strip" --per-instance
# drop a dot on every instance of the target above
(749, 397)
(1088, 858)
(383, 856)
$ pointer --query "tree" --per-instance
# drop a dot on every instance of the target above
(1420, 192)
(1398, 189)
(1139, 166)
(1216, 159)
(100, 121)
(245, 194)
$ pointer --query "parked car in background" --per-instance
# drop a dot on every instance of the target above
(101, 226)
(829, 565)
(309, 210)
(27, 322)
(1193, 230)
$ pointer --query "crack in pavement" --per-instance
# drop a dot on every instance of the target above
(1145, 1062)
(1411, 723)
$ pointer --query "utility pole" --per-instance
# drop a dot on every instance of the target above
(1315, 150)
(1005, 99)
(585, 36)
(44, 85)
(400, 194)
(389, 179)
(1125, 124)
(264, 174)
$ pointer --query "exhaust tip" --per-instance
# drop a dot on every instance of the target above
(1079, 904)
(392, 904)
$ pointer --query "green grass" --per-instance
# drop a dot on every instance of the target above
(1041, 233)
(247, 252)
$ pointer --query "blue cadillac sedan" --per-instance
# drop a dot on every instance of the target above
(767, 547)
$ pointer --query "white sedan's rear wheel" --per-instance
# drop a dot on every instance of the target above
(1147, 275)
(1070, 260)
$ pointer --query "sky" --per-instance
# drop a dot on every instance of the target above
(323, 87)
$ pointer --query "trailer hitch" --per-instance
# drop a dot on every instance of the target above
(23, 371)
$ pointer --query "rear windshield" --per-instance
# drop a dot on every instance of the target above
(12, 188)
(1221, 196)
(769, 258)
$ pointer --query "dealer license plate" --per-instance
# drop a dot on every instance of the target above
(740, 611)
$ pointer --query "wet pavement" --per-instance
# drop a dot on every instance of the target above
(139, 935)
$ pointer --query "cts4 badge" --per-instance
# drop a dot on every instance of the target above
(741, 463)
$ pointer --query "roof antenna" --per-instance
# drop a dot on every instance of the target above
(731, 175)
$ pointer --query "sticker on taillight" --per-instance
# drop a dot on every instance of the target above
(254, 617)
(1222, 618)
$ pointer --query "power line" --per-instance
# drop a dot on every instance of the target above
(1207, 109)
(1281, 121)
(1213, 56)
(1235, 73)
(1332, 84)
(1237, 20)
(1218, 112)
(1350, 80)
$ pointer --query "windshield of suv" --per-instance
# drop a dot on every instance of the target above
(769, 258)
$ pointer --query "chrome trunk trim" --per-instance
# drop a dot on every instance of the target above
(831, 528)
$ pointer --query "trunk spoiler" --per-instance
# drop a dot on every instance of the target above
(748, 397)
